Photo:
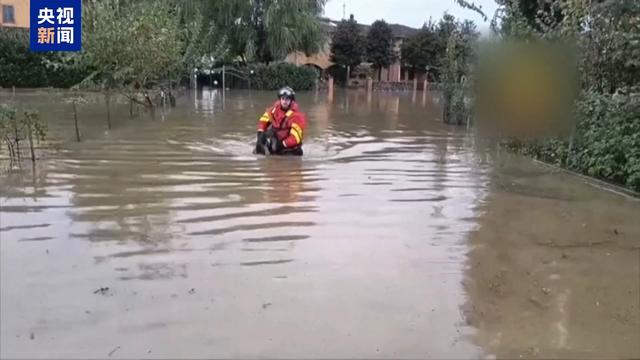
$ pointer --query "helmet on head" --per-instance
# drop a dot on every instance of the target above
(287, 92)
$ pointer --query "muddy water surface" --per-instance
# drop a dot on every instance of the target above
(395, 236)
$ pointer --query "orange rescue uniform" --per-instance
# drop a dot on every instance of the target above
(288, 126)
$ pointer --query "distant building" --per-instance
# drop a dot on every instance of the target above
(14, 13)
(322, 62)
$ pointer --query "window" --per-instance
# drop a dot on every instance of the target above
(8, 15)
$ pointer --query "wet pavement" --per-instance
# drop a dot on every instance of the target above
(395, 236)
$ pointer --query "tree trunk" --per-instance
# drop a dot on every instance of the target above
(348, 76)
(446, 111)
(147, 98)
(12, 154)
(570, 149)
(130, 108)
(75, 121)
(108, 101)
(17, 149)
(149, 104)
(444, 116)
(172, 99)
(30, 137)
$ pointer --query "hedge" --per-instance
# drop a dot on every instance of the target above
(275, 76)
(20, 67)
(606, 142)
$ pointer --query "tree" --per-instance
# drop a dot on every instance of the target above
(21, 67)
(420, 50)
(446, 27)
(472, 6)
(537, 13)
(132, 45)
(266, 30)
(466, 36)
(380, 50)
(603, 141)
(448, 49)
(429, 48)
(204, 44)
(14, 129)
(347, 44)
(612, 43)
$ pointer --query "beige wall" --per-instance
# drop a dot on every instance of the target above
(392, 73)
(384, 74)
(395, 69)
(21, 11)
(320, 59)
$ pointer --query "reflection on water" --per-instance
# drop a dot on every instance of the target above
(394, 236)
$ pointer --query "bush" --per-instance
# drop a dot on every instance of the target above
(15, 129)
(18, 66)
(608, 137)
(606, 142)
(275, 76)
(21, 67)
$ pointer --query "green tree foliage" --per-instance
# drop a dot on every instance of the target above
(380, 50)
(347, 44)
(607, 143)
(15, 129)
(128, 42)
(21, 67)
(203, 45)
(457, 41)
(265, 30)
(428, 48)
(18, 65)
(606, 140)
(420, 51)
(133, 45)
(446, 27)
(447, 50)
(456, 73)
(611, 47)
(146, 43)
(536, 14)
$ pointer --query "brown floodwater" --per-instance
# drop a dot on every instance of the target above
(394, 236)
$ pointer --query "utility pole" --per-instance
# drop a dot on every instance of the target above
(344, 9)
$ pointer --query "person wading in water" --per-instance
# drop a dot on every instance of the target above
(281, 127)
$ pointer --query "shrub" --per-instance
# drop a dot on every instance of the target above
(606, 141)
(274, 76)
(21, 67)
(15, 129)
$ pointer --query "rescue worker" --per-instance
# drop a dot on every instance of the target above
(281, 127)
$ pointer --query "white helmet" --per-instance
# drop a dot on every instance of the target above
(287, 92)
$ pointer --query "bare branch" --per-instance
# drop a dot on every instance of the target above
(472, 6)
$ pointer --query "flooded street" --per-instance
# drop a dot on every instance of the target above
(394, 236)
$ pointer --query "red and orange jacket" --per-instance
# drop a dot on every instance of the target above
(288, 125)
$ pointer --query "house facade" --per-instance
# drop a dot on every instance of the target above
(322, 60)
(14, 13)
